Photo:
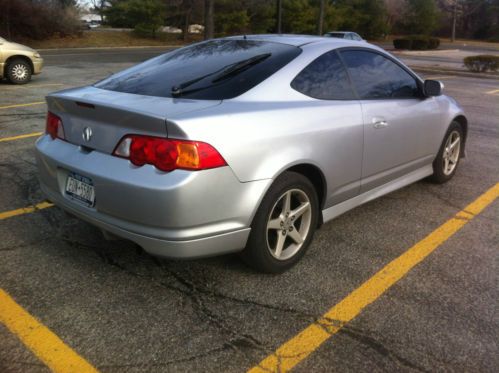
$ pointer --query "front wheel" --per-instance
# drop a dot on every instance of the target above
(19, 71)
(447, 160)
(284, 224)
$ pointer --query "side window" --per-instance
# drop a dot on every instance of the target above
(376, 77)
(325, 78)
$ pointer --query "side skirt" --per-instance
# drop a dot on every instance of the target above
(336, 210)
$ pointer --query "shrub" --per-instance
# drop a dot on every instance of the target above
(402, 43)
(433, 43)
(416, 42)
(419, 43)
(482, 63)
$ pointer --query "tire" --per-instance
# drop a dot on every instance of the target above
(19, 71)
(447, 160)
(272, 228)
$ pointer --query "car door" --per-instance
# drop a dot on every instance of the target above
(398, 119)
(336, 114)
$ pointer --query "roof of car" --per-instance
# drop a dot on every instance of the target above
(290, 39)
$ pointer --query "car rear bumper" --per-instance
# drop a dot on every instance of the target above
(180, 214)
(37, 65)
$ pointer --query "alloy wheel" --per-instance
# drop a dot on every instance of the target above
(289, 224)
(451, 152)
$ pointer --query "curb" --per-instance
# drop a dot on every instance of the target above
(426, 69)
(91, 48)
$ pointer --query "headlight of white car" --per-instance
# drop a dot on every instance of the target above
(37, 55)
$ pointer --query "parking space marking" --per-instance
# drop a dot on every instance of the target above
(493, 92)
(311, 338)
(25, 210)
(49, 348)
(19, 137)
(21, 105)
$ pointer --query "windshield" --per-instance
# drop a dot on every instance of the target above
(197, 66)
(336, 34)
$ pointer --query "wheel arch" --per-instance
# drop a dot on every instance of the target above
(20, 57)
(461, 119)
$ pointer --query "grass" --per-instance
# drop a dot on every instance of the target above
(94, 38)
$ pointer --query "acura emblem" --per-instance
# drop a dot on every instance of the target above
(87, 134)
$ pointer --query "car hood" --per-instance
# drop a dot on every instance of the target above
(18, 47)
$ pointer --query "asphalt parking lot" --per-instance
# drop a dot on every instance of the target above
(114, 308)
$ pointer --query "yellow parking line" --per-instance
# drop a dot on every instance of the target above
(308, 340)
(19, 137)
(49, 348)
(21, 105)
(25, 210)
(494, 91)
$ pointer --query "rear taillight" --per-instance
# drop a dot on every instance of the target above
(54, 126)
(168, 154)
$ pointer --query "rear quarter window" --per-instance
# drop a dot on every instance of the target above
(325, 78)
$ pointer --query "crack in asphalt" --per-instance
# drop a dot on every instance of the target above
(168, 362)
(199, 296)
(378, 347)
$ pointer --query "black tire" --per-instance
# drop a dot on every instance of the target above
(19, 71)
(258, 253)
(440, 174)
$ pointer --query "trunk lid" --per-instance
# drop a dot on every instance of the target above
(111, 115)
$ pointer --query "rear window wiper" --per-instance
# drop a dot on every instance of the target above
(223, 73)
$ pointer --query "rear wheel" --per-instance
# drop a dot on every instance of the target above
(284, 224)
(19, 71)
(447, 160)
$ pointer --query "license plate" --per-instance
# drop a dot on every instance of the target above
(81, 189)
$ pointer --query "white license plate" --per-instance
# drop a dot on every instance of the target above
(81, 189)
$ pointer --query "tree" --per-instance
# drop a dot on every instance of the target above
(421, 16)
(278, 27)
(367, 17)
(99, 6)
(209, 27)
(145, 16)
(320, 23)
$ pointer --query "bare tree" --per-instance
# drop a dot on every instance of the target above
(278, 16)
(320, 24)
(99, 6)
(209, 23)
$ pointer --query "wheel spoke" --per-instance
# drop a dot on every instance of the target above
(287, 203)
(453, 144)
(446, 164)
(295, 236)
(281, 238)
(275, 224)
(300, 210)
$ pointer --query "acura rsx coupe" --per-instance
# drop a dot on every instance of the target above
(245, 144)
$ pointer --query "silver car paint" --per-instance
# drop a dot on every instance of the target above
(260, 134)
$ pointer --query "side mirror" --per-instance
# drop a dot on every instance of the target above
(433, 88)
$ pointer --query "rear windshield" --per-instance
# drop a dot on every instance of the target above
(212, 70)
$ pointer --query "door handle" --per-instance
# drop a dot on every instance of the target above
(380, 123)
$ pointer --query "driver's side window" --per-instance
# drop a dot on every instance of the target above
(377, 77)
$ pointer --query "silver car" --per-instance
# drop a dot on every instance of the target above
(245, 144)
